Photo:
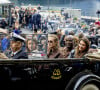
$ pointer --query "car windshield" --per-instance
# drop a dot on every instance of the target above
(32, 45)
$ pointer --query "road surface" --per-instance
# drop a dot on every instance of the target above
(26, 31)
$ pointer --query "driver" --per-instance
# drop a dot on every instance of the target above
(16, 44)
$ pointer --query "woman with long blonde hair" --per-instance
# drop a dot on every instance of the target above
(53, 46)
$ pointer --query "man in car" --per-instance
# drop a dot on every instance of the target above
(16, 45)
(69, 45)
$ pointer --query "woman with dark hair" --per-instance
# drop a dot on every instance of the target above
(32, 49)
(81, 49)
(31, 45)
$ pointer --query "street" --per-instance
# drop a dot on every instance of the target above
(26, 31)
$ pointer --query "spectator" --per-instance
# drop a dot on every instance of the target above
(71, 33)
(17, 31)
(3, 24)
(17, 28)
(13, 19)
(38, 21)
(21, 15)
(80, 35)
(5, 43)
(39, 7)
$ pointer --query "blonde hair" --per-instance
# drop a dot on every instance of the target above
(55, 38)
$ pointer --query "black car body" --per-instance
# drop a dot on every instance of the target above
(48, 74)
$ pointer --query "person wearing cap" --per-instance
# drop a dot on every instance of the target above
(16, 45)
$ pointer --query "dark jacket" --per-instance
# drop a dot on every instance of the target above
(62, 42)
(20, 55)
(38, 18)
(72, 54)
(54, 54)
(34, 19)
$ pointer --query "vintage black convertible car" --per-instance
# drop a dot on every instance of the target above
(50, 74)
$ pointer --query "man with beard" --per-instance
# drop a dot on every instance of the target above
(16, 45)
(69, 45)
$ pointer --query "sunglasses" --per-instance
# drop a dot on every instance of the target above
(50, 41)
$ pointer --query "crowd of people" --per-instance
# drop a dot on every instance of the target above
(71, 49)
(56, 44)
(16, 46)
